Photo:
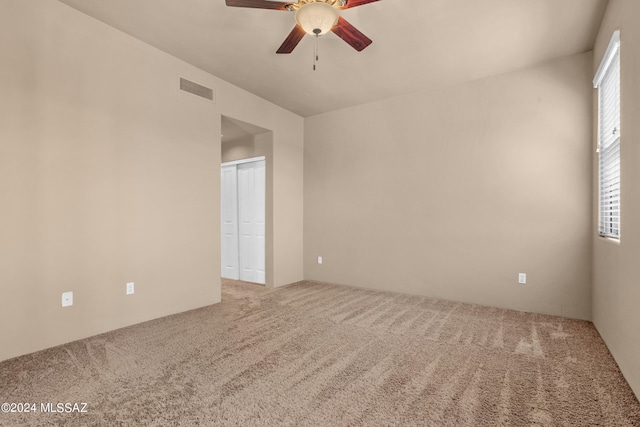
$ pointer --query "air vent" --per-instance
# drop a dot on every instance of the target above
(196, 89)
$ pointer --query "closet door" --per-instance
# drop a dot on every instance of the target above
(229, 223)
(251, 220)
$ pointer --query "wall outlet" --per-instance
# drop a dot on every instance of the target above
(67, 299)
(319, 260)
(522, 278)
(130, 288)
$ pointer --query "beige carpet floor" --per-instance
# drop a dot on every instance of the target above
(314, 354)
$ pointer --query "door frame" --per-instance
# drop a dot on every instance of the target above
(241, 161)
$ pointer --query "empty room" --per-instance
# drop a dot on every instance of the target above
(320, 212)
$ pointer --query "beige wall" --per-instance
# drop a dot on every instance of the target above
(246, 148)
(451, 193)
(238, 149)
(616, 267)
(110, 174)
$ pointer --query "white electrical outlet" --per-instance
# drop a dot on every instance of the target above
(67, 299)
(522, 278)
(319, 260)
(130, 288)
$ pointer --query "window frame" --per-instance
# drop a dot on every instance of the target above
(609, 171)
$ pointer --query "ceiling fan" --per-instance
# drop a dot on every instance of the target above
(314, 17)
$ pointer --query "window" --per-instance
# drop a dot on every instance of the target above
(607, 81)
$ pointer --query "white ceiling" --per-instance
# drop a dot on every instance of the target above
(417, 44)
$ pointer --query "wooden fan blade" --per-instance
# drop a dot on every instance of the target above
(258, 4)
(351, 35)
(292, 40)
(354, 3)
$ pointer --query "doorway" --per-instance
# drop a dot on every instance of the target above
(243, 224)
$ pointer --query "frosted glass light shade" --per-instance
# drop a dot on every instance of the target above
(317, 16)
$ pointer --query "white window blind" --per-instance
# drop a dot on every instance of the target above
(607, 81)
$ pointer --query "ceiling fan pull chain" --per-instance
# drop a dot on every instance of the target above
(315, 49)
(315, 53)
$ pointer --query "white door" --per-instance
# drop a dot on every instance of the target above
(243, 221)
(251, 214)
(229, 223)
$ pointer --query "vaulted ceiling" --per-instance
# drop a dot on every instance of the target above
(417, 44)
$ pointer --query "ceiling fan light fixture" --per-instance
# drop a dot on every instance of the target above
(317, 18)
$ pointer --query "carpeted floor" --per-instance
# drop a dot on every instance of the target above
(314, 354)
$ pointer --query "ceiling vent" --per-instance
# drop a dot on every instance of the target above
(196, 89)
